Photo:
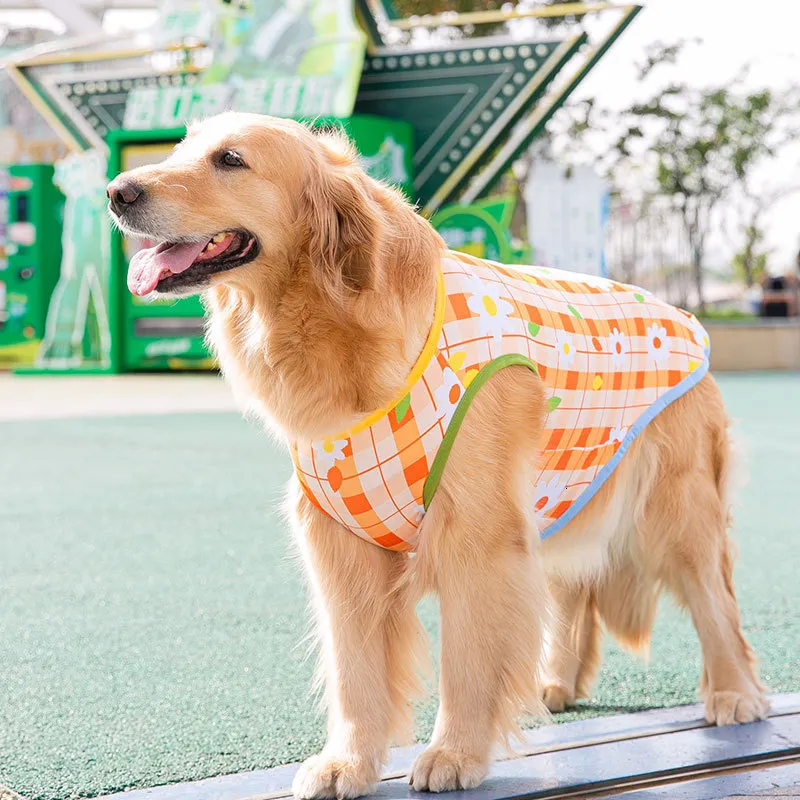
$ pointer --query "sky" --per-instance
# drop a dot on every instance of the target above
(733, 33)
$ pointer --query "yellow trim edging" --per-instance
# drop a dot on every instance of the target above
(428, 352)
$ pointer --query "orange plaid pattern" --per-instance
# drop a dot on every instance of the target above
(611, 357)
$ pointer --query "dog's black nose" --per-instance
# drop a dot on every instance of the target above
(123, 193)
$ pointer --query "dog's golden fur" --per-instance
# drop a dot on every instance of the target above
(323, 328)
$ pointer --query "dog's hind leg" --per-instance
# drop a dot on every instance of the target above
(684, 537)
(702, 580)
(574, 656)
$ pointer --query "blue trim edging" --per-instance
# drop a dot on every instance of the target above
(680, 389)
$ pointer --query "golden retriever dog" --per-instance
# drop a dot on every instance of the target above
(320, 285)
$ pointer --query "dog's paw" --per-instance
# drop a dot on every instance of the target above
(557, 697)
(326, 776)
(730, 708)
(440, 770)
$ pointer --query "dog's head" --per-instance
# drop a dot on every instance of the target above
(245, 198)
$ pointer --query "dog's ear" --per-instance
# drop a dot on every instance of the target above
(342, 224)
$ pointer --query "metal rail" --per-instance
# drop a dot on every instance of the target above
(783, 757)
(669, 778)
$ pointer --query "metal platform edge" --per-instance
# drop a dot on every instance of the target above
(547, 742)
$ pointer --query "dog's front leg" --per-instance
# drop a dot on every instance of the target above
(478, 552)
(367, 631)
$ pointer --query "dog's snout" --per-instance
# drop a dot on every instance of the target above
(123, 193)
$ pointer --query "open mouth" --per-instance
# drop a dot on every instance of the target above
(175, 266)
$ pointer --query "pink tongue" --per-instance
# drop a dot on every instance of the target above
(149, 265)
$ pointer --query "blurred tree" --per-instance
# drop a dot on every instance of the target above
(706, 143)
(750, 263)
(693, 146)
(751, 260)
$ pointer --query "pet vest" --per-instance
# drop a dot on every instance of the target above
(610, 356)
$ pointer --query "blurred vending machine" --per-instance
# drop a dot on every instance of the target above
(31, 211)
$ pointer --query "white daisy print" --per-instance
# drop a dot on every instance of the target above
(565, 345)
(619, 346)
(617, 434)
(327, 453)
(546, 494)
(491, 308)
(448, 396)
(657, 344)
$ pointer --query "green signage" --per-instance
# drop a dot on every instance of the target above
(30, 255)
(171, 106)
(472, 230)
(482, 230)
(300, 59)
(77, 330)
(461, 101)
(288, 59)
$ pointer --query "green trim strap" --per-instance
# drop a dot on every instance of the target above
(440, 461)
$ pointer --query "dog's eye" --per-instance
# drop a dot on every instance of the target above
(230, 158)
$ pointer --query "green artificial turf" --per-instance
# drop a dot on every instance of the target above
(151, 611)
